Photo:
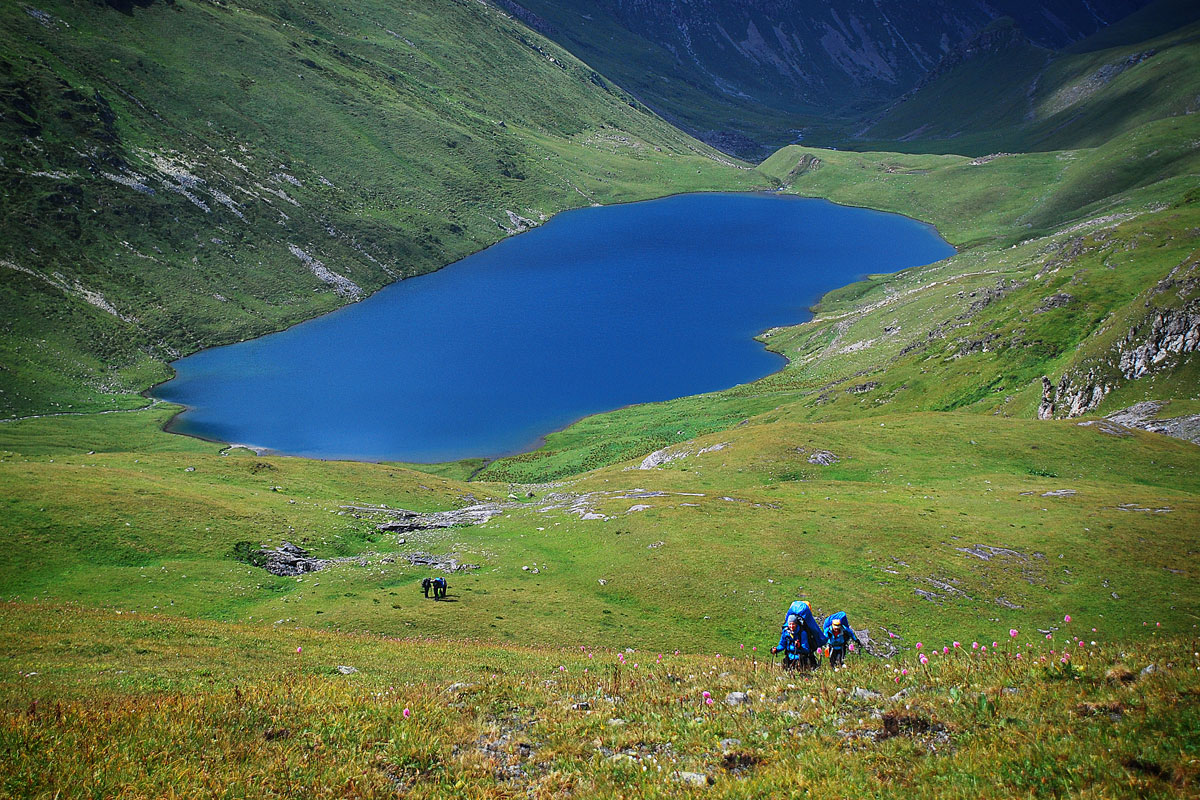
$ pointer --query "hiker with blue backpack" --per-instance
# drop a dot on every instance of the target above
(800, 637)
(839, 638)
(794, 644)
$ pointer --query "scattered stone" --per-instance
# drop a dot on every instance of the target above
(823, 458)
(863, 388)
(729, 744)
(345, 670)
(1149, 670)
(446, 563)
(616, 722)
(737, 699)
(1060, 493)
(189, 469)
(865, 694)
(1053, 301)
(583, 705)
(1010, 690)
(1106, 427)
(987, 552)
(695, 779)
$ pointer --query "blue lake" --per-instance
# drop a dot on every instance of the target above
(597, 309)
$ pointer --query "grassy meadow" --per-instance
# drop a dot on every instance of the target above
(104, 703)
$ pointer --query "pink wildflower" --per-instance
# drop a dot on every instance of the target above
(1012, 632)
(561, 668)
(957, 645)
(924, 660)
(1081, 643)
(974, 645)
(1047, 636)
(995, 645)
(407, 713)
(705, 695)
(945, 650)
(1067, 618)
(1018, 655)
(299, 650)
(904, 671)
(708, 701)
(851, 646)
(919, 645)
(983, 648)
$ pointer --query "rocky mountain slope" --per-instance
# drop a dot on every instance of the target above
(1001, 91)
(751, 75)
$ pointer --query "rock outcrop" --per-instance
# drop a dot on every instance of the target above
(288, 560)
(1173, 331)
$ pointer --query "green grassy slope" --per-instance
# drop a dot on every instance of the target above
(193, 173)
(103, 703)
(705, 551)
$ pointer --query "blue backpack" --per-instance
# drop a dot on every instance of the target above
(805, 622)
(827, 623)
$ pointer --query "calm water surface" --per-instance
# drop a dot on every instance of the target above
(596, 309)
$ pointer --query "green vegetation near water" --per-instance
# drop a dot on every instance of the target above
(895, 468)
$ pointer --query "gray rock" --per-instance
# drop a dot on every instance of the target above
(288, 560)
(737, 699)
(1010, 690)
(823, 458)
(1149, 669)
(408, 521)
(457, 688)
(865, 694)
(445, 563)
(583, 705)
(729, 744)
(1053, 301)
(695, 779)
(342, 668)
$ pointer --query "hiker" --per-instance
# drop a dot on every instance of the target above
(807, 624)
(439, 588)
(838, 636)
(794, 644)
(425, 586)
